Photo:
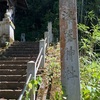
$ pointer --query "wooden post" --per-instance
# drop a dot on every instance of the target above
(31, 69)
(42, 45)
(70, 76)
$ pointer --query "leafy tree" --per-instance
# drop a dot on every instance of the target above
(85, 6)
(33, 21)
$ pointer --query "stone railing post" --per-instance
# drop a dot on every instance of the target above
(42, 45)
(31, 69)
(46, 35)
(50, 32)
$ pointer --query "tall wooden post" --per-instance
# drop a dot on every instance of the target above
(69, 49)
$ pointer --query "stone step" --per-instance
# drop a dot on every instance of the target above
(13, 78)
(2, 62)
(21, 52)
(16, 78)
(22, 43)
(22, 49)
(25, 43)
(17, 71)
(11, 85)
(10, 94)
(12, 72)
(14, 62)
(18, 58)
(23, 46)
(20, 55)
(13, 66)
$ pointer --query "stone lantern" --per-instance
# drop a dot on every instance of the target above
(6, 24)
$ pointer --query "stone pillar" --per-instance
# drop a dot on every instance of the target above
(7, 30)
(46, 35)
(31, 69)
(70, 73)
(50, 32)
(42, 45)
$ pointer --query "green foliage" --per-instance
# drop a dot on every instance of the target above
(54, 71)
(86, 8)
(89, 60)
(91, 16)
(90, 80)
(33, 21)
(90, 37)
(32, 86)
(58, 95)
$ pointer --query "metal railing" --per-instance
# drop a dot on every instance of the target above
(25, 87)
(32, 67)
(39, 56)
(46, 43)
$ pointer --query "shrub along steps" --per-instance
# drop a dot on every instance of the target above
(13, 65)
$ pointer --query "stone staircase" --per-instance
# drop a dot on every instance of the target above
(13, 64)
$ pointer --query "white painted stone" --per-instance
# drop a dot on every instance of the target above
(7, 28)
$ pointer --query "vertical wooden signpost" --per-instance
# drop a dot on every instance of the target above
(69, 49)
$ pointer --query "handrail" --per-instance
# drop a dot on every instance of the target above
(38, 56)
(45, 45)
(39, 63)
(46, 39)
(45, 42)
(23, 91)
